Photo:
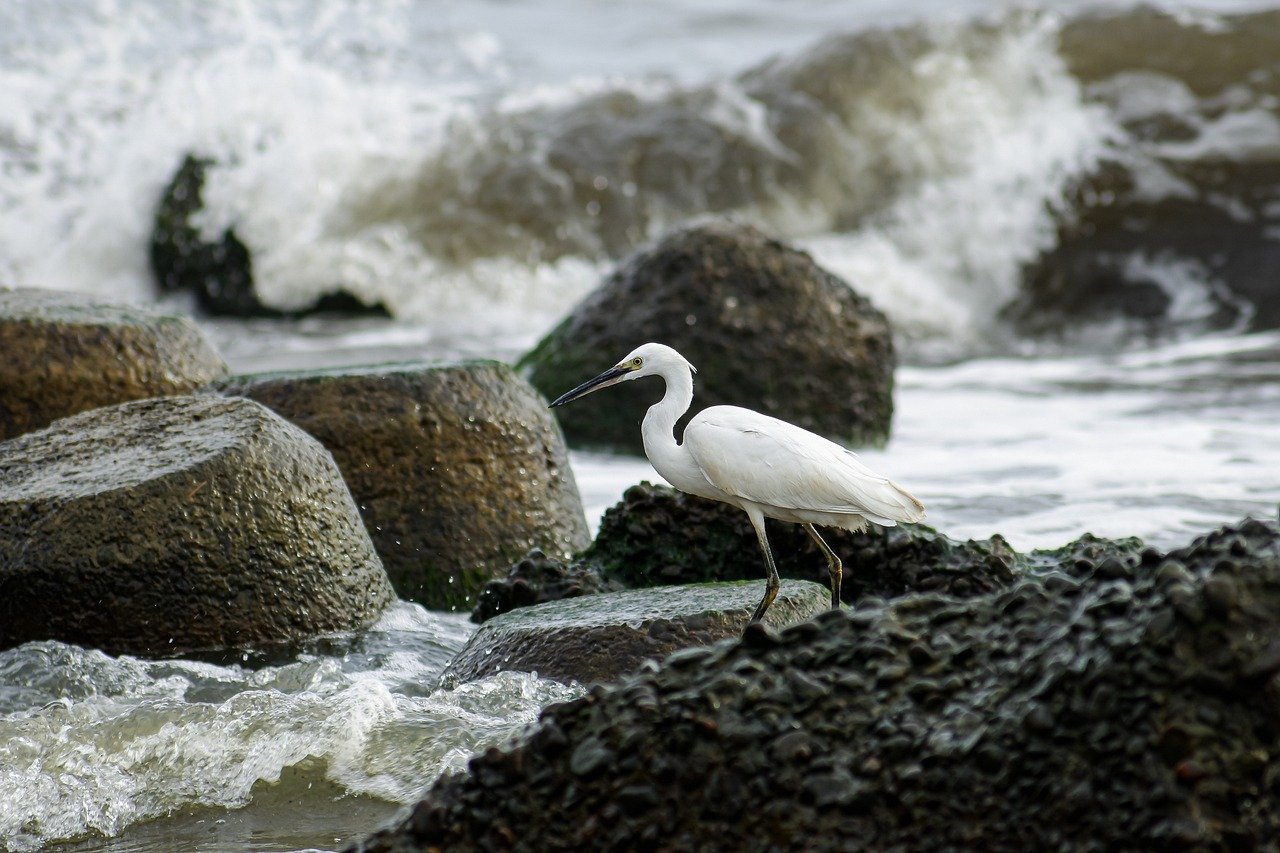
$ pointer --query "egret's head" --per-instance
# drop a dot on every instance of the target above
(644, 360)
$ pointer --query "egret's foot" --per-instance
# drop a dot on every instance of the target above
(770, 593)
(835, 569)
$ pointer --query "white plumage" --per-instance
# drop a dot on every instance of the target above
(764, 466)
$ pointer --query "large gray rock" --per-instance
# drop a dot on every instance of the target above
(1128, 705)
(765, 326)
(458, 469)
(599, 638)
(176, 524)
(66, 353)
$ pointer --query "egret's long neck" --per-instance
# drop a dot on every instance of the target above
(659, 426)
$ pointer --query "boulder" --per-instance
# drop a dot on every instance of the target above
(67, 352)
(765, 326)
(219, 272)
(599, 638)
(177, 524)
(657, 535)
(1132, 708)
(458, 469)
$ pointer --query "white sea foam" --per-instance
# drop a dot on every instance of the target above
(350, 159)
(123, 740)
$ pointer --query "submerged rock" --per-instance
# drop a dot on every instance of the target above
(1135, 709)
(458, 469)
(599, 638)
(765, 326)
(66, 352)
(177, 524)
(219, 272)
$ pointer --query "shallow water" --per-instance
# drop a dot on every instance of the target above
(477, 168)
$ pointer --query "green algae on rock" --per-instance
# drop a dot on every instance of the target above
(458, 469)
(66, 353)
(599, 638)
(179, 524)
(765, 326)
(1125, 712)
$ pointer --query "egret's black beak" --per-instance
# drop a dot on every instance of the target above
(612, 376)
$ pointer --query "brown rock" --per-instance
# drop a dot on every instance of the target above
(66, 353)
(176, 524)
(458, 469)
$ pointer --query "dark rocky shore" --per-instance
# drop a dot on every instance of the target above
(1126, 702)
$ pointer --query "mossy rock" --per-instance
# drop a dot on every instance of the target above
(458, 469)
(765, 326)
(595, 639)
(67, 352)
(657, 535)
(179, 524)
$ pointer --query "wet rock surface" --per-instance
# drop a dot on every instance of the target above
(178, 524)
(219, 272)
(764, 325)
(1135, 706)
(458, 469)
(66, 353)
(599, 638)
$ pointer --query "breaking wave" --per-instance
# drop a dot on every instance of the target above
(1031, 172)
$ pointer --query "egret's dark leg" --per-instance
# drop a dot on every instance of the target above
(834, 566)
(772, 583)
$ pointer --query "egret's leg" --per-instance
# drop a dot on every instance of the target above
(772, 583)
(834, 565)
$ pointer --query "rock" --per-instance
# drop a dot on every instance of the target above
(657, 535)
(66, 352)
(765, 326)
(178, 524)
(1024, 719)
(1150, 222)
(458, 469)
(538, 578)
(598, 638)
(219, 272)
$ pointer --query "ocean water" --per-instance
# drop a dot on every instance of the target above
(1071, 214)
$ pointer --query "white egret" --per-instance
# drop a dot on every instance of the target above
(766, 467)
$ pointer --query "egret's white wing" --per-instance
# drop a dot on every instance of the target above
(772, 462)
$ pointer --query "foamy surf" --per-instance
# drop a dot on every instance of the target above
(436, 169)
(91, 744)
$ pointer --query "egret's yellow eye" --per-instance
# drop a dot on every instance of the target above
(637, 361)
